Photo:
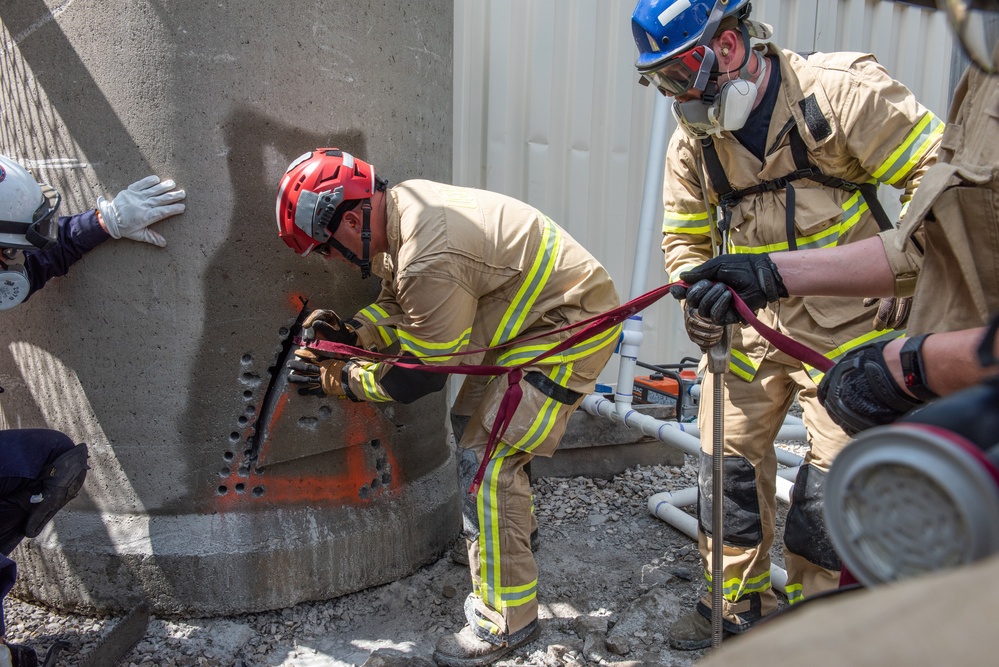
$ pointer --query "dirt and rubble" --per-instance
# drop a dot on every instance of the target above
(612, 578)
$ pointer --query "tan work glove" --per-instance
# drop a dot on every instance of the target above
(705, 333)
(893, 312)
(324, 324)
(317, 375)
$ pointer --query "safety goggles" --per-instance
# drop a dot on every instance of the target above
(679, 74)
(970, 22)
(43, 230)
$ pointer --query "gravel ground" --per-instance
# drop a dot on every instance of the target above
(612, 579)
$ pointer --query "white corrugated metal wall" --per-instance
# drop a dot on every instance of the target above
(547, 108)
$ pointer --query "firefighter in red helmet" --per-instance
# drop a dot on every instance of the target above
(461, 270)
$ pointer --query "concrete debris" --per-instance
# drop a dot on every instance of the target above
(612, 578)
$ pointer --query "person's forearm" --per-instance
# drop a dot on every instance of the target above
(855, 269)
(950, 360)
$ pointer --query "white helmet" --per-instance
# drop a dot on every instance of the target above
(27, 209)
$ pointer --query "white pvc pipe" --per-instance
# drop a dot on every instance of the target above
(655, 166)
(670, 432)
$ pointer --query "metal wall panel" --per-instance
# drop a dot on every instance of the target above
(547, 109)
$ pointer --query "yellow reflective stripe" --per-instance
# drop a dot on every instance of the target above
(370, 389)
(488, 510)
(735, 588)
(686, 223)
(532, 286)
(429, 351)
(741, 365)
(515, 596)
(869, 337)
(547, 416)
(911, 151)
(522, 354)
(794, 593)
(373, 313)
(853, 209)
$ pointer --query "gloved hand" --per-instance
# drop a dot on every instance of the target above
(859, 392)
(140, 205)
(326, 325)
(893, 312)
(317, 375)
(703, 332)
(753, 277)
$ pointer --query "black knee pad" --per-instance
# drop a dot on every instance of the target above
(468, 465)
(805, 531)
(743, 525)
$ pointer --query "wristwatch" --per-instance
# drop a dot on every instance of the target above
(913, 371)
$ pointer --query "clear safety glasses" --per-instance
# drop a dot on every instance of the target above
(976, 24)
(679, 74)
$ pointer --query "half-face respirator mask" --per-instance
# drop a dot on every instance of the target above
(921, 494)
(727, 111)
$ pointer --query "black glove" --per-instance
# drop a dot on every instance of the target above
(323, 324)
(859, 392)
(753, 277)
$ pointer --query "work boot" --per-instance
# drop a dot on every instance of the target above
(20, 655)
(691, 632)
(459, 553)
(465, 649)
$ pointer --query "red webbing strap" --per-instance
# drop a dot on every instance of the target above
(784, 343)
(587, 329)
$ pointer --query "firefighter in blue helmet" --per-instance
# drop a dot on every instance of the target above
(773, 151)
(43, 469)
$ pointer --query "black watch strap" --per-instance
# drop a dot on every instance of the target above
(913, 370)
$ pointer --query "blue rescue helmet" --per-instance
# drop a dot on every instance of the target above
(664, 29)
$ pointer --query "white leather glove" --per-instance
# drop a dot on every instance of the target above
(140, 205)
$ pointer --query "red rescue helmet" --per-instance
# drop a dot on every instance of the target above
(312, 189)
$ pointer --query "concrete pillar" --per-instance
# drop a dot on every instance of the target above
(213, 489)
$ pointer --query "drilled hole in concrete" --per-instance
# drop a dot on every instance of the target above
(325, 412)
(364, 492)
(283, 332)
(250, 409)
(247, 451)
(247, 358)
(242, 420)
(308, 423)
(378, 464)
(228, 456)
(258, 491)
(244, 471)
(222, 490)
(234, 436)
(240, 487)
(375, 483)
(260, 471)
(376, 443)
(251, 379)
(386, 478)
(247, 394)
(224, 472)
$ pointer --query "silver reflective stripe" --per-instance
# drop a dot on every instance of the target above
(305, 214)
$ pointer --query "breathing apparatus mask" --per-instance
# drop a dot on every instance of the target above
(28, 221)
(727, 111)
(921, 494)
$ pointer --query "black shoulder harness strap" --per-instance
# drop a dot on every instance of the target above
(728, 197)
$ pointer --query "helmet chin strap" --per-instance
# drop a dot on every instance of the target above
(365, 260)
